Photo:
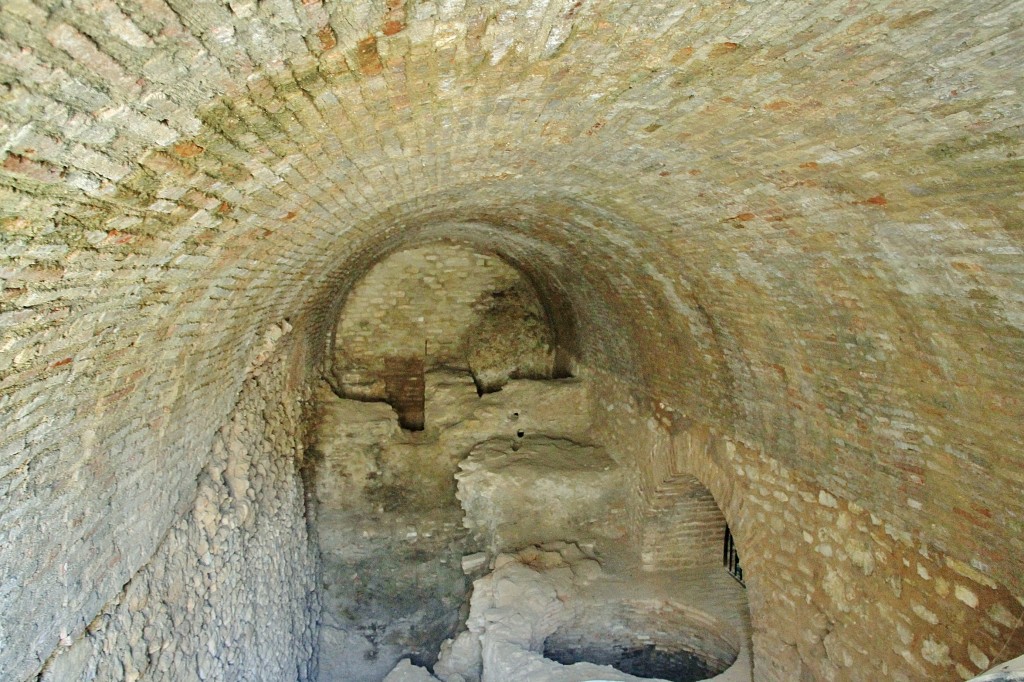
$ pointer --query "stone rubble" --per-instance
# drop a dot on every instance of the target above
(515, 609)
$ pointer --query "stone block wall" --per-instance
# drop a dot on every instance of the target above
(443, 305)
(835, 591)
(231, 592)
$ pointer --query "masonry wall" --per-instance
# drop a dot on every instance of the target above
(420, 302)
(446, 306)
(851, 596)
(835, 592)
(231, 592)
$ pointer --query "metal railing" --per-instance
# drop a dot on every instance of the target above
(731, 559)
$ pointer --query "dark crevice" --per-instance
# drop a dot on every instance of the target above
(642, 661)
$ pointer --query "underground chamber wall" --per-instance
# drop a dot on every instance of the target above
(392, 524)
(394, 543)
(414, 340)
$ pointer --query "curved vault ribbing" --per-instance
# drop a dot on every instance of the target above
(796, 222)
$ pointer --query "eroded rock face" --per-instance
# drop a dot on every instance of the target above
(538, 489)
(390, 526)
(533, 599)
(390, 538)
(407, 672)
(231, 594)
(511, 339)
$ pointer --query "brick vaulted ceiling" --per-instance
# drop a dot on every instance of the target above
(800, 222)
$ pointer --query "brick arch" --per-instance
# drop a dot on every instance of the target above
(554, 300)
(696, 450)
(834, 186)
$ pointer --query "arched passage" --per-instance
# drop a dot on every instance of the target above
(486, 472)
(831, 282)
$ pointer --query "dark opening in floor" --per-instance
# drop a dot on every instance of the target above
(647, 661)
